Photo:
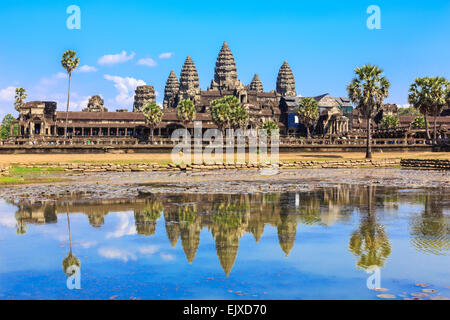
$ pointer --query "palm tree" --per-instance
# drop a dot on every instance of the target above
(308, 113)
(390, 122)
(70, 260)
(153, 116)
(240, 118)
(269, 126)
(20, 97)
(370, 243)
(69, 62)
(428, 95)
(186, 111)
(439, 88)
(222, 112)
(367, 91)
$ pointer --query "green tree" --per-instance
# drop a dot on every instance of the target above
(419, 122)
(186, 111)
(429, 95)
(71, 259)
(239, 118)
(222, 111)
(367, 91)
(21, 95)
(5, 131)
(390, 122)
(153, 116)
(409, 111)
(269, 126)
(439, 90)
(308, 113)
(69, 62)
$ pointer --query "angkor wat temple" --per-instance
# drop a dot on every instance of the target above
(41, 119)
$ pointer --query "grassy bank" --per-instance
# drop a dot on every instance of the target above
(25, 175)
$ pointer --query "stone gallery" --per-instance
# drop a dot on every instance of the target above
(40, 119)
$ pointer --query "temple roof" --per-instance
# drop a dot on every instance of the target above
(189, 75)
(286, 81)
(172, 86)
(256, 84)
(225, 70)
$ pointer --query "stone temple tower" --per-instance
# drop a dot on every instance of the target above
(256, 84)
(225, 72)
(286, 81)
(142, 96)
(171, 91)
(189, 82)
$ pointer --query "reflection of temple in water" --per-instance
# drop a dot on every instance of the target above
(230, 217)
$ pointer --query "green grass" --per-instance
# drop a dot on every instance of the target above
(23, 175)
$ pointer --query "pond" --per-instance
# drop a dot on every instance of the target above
(330, 243)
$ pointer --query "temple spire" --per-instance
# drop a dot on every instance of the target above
(256, 84)
(189, 75)
(286, 81)
(225, 72)
(171, 90)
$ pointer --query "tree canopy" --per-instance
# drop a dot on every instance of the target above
(367, 91)
(308, 113)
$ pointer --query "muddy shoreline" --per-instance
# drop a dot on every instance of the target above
(132, 185)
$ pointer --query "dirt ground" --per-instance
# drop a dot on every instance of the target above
(6, 159)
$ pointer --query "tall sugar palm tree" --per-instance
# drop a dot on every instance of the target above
(308, 113)
(221, 113)
(153, 116)
(428, 95)
(439, 89)
(186, 111)
(367, 91)
(69, 62)
(240, 118)
(21, 95)
(71, 259)
(269, 126)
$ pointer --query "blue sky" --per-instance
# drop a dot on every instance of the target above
(323, 41)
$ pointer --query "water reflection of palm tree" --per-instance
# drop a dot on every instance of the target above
(70, 260)
(430, 232)
(370, 243)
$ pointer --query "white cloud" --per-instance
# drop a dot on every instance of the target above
(125, 87)
(7, 94)
(166, 55)
(151, 249)
(149, 62)
(86, 69)
(111, 59)
(167, 256)
(114, 253)
(125, 227)
(8, 220)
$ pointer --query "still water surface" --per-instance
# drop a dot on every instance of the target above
(313, 245)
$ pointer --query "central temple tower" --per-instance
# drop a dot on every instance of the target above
(225, 72)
